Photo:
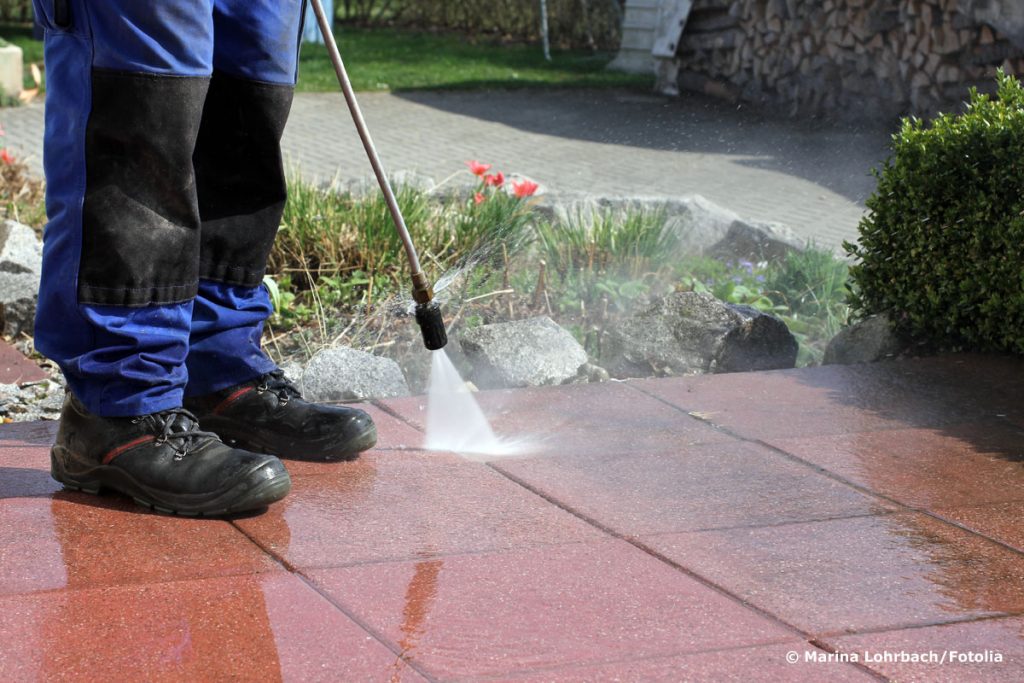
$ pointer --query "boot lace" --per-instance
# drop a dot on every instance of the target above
(276, 382)
(177, 427)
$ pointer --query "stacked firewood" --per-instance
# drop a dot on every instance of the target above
(857, 57)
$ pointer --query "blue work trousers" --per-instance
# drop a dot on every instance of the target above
(165, 189)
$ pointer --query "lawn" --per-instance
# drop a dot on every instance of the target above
(390, 59)
(387, 59)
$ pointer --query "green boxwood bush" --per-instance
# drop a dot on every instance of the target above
(942, 246)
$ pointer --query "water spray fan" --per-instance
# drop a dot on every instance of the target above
(428, 311)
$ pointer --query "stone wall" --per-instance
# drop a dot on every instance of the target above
(851, 58)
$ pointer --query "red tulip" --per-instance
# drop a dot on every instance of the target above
(494, 180)
(524, 189)
(478, 169)
(479, 198)
(6, 157)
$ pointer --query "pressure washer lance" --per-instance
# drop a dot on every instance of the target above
(428, 311)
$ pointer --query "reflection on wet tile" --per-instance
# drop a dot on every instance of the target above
(609, 417)
(742, 665)
(80, 541)
(1001, 521)
(985, 642)
(25, 459)
(856, 574)
(949, 466)
(498, 613)
(399, 505)
(29, 433)
(697, 487)
(267, 627)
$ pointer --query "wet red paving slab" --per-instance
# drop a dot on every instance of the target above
(856, 574)
(990, 650)
(256, 628)
(74, 540)
(999, 521)
(396, 505)
(735, 665)
(608, 417)
(824, 400)
(960, 464)
(16, 368)
(497, 613)
(492, 569)
(707, 486)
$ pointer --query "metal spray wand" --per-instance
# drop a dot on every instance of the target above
(428, 311)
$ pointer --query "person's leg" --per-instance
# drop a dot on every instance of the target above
(125, 89)
(233, 387)
(126, 82)
(241, 186)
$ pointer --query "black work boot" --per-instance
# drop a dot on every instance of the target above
(163, 461)
(269, 415)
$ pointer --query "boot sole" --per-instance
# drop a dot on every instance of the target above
(322, 450)
(265, 484)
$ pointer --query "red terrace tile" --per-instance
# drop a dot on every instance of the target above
(392, 505)
(1001, 521)
(698, 487)
(25, 459)
(982, 638)
(16, 368)
(743, 665)
(938, 467)
(857, 574)
(610, 417)
(499, 613)
(79, 541)
(259, 628)
(814, 401)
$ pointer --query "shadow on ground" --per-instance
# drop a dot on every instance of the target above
(834, 155)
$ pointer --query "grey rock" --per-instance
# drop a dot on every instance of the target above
(292, 370)
(344, 374)
(21, 256)
(32, 401)
(691, 333)
(700, 225)
(867, 341)
(20, 249)
(754, 241)
(521, 353)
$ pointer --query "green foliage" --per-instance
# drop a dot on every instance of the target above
(613, 257)
(570, 22)
(942, 245)
(806, 290)
(337, 254)
(335, 251)
(631, 243)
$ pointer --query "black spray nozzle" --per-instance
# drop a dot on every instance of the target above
(428, 316)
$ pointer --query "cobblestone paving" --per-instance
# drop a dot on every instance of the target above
(811, 176)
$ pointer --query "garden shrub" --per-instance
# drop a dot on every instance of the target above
(942, 246)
